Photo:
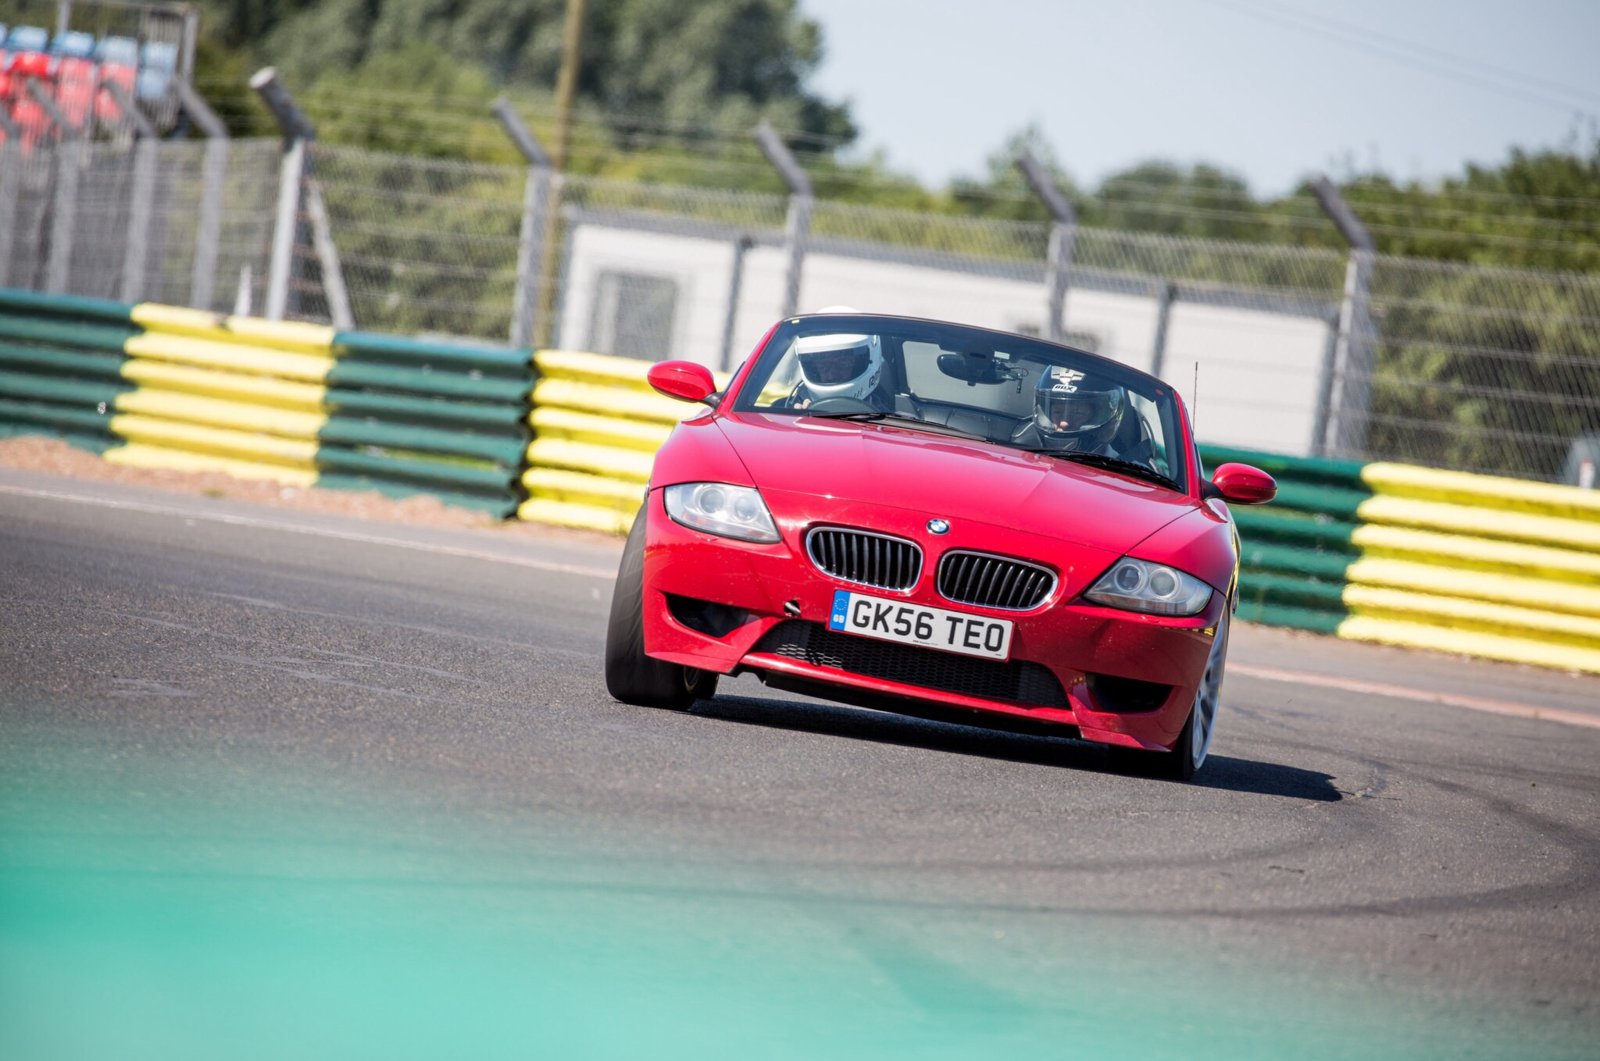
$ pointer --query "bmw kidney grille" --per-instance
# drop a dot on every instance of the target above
(994, 581)
(860, 556)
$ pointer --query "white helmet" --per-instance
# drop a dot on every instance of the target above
(839, 365)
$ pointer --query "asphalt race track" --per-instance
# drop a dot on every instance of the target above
(282, 785)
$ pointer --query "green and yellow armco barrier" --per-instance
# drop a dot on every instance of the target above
(597, 425)
(164, 387)
(1491, 567)
(1474, 564)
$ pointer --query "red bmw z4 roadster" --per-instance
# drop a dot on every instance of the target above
(943, 521)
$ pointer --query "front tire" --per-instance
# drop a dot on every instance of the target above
(632, 676)
(1189, 752)
(1194, 743)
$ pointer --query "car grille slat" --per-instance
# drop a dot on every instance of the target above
(990, 581)
(986, 588)
(864, 557)
(1016, 681)
(1013, 581)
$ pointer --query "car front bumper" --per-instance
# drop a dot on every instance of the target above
(1117, 677)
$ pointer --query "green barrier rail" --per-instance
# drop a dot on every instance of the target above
(72, 307)
(57, 332)
(166, 387)
(399, 349)
(86, 422)
(1297, 551)
(1293, 469)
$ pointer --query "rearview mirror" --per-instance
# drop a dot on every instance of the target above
(1242, 484)
(683, 380)
(973, 368)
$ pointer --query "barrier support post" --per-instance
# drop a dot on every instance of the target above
(136, 246)
(741, 246)
(1350, 395)
(797, 225)
(531, 235)
(214, 167)
(1166, 295)
(1063, 237)
(69, 157)
(10, 189)
(295, 173)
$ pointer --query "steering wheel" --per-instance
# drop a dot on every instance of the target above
(840, 405)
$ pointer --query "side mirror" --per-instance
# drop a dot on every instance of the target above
(683, 380)
(1242, 485)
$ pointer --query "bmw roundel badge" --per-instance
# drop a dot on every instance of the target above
(938, 526)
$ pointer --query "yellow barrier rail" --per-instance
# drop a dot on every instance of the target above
(597, 425)
(1479, 565)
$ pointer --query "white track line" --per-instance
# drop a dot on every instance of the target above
(320, 532)
(1401, 692)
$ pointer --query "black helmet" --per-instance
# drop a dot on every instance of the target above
(1075, 410)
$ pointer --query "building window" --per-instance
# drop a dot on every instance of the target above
(633, 315)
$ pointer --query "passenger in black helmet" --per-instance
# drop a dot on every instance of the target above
(1077, 412)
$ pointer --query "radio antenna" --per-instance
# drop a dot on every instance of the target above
(1194, 400)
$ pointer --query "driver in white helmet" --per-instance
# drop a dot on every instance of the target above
(839, 366)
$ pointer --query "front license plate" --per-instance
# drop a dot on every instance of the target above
(916, 624)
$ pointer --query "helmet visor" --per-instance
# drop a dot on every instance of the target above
(838, 365)
(1081, 411)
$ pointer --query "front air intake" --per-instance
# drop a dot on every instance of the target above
(1017, 681)
(866, 558)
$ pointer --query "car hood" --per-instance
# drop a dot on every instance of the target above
(952, 478)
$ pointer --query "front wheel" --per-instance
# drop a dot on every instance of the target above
(1188, 754)
(632, 676)
(1194, 743)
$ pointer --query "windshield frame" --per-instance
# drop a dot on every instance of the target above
(1164, 400)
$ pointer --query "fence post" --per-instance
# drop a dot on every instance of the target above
(69, 159)
(299, 134)
(1330, 353)
(1063, 235)
(1350, 395)
(136, 245)
(208, 236)
(797, 226)
(1165, 297)
(10, 190)
(296, 132)
(328, 255)
(531, 234)
(740, 247)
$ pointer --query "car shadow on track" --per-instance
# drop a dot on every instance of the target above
(1219, 772)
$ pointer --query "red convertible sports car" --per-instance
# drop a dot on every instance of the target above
(942, 521)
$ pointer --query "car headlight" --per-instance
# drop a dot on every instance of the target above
(1141, 586)
(717, 508)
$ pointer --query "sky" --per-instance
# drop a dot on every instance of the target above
(1272, 90)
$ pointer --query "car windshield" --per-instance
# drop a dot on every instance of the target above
(1009, 390)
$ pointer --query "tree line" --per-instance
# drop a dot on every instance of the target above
(670, 89)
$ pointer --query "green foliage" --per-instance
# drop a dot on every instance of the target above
(1538, 210)
(711, 66)
(1201, 201)
(1475, 369)
(1002, 192)
(1484, 369)
(428, 82)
